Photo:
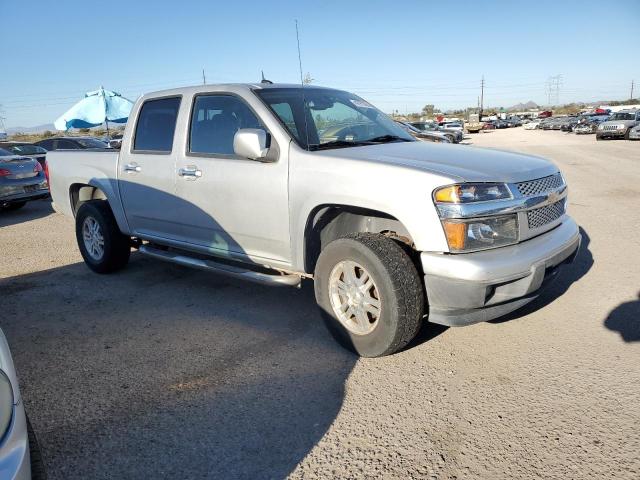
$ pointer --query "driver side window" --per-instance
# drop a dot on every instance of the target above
(215, 119)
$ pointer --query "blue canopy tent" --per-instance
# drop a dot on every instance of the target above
(97, 107)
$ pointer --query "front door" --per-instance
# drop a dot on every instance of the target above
(231, 205)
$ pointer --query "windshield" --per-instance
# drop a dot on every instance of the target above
(330, 118)
(27, 149)
(91, 143)
(6, 153)
(623, 116)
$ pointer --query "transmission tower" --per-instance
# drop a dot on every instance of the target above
(553, 89)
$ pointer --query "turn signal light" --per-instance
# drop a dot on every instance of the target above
(456, 233)
(4, 172)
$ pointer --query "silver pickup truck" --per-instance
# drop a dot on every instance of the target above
(277, 183)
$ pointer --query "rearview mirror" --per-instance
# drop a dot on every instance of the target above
(250, 143)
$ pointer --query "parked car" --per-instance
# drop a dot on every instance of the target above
(457, 126)
(634, 133)
(426, 135)
(618, 125)
(22, 179)
(454, 135)
(25, 149)
(20, 457)
(489, 125)
(569, 123)
(545, 114)
(532, 125)
(513, 121)
(71, 143)
(585, 128)
(501, 123)
(380, 222)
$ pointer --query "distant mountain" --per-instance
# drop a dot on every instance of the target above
(524, 106)
(36, 129)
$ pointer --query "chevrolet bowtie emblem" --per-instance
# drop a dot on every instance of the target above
(553, 197)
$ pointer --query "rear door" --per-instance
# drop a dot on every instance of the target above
(146, 171)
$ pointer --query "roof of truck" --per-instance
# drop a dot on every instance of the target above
(228, 87)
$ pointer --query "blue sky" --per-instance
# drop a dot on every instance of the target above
(398, 55)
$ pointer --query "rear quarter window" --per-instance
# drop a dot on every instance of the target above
(156, 125)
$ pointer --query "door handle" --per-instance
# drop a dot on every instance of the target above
(190, 171)
(132, 167)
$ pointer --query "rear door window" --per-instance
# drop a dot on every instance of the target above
(156, 125)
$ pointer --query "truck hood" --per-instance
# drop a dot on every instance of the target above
(461, 163)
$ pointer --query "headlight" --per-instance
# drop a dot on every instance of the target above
(6, 403)
(473, 234)
(471, 192)
(600, 127)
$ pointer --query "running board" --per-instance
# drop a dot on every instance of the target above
(289, 280)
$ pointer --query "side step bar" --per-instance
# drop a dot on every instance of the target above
(289, 280)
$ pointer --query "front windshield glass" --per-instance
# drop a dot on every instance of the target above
(91, 143)
(5, 153)
(623, 116)
(331, 118)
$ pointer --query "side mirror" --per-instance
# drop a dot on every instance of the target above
(250, 143)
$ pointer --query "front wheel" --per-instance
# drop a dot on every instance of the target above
(369, 293)
(104, 248)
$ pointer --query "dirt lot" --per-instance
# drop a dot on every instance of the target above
(164, 372)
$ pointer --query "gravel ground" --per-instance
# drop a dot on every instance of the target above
(164, 372)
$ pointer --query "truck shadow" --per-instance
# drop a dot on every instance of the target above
(160, 371)
(568, 275)
(625, 319)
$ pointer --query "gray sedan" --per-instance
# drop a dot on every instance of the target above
(19, 452)
(21, 179)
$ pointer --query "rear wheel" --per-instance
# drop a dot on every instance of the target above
(369, 293)
(104, 248)
(13, 206)
(626, 134)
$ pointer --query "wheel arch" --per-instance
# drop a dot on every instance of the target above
(328, 222)
(80, 193)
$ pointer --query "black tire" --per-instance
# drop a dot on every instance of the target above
(400, 290)
(598, 138)
(116, 246)
(626, 134)
(38, 470)
(13, 206)
(451, 138)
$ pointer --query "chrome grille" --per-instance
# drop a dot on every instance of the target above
(540, 185)
(609, 127)
(539, 217)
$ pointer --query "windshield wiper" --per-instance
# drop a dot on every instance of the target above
(388, 138)
(337, 143)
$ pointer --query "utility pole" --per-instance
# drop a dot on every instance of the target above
(481, 97)
(631, 96)
(204, 79)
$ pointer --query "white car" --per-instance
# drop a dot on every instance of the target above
(532, 125)
(19, 456)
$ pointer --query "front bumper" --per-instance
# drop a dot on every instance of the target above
(610, 133)
(15, 461)
(469, 288)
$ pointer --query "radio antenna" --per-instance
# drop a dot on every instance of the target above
(304, 103)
